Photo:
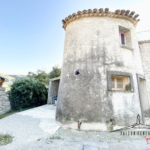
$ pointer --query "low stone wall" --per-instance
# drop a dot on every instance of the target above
(4, 102)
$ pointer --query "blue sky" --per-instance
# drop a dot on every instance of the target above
(31, 33)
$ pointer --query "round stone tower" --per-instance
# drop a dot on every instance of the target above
(101, 61)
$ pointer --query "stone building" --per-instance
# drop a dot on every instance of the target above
(53, 90)
(145, 57)
(4, 102)
(104, 73)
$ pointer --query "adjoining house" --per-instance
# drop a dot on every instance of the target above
(53, 90)
(105, 75)
(2, 80)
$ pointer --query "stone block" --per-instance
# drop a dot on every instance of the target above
(87, 147)
(2, 89)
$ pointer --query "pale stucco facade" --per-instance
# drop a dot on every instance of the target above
(92, 55)
(145, 57)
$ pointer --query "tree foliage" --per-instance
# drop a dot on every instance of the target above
(44, 77)
(26, 93)
(40, 76)
(56, 71)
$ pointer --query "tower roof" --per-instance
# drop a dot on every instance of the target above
(123, 14)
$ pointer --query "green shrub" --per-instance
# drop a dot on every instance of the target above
(26, 93)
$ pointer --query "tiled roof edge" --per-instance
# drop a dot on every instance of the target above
(123, 14)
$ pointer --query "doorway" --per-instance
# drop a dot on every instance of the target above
(145, 106)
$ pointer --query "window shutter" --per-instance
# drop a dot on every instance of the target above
(119, 83)
(113, 82)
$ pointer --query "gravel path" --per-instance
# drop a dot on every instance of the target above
(29, 126)
(65, 139)
(36, 129)
(78, 145)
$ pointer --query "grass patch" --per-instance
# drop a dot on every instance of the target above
(110, 128)
(13, 111)
(55, 137)
(7, 114)
(5, 139)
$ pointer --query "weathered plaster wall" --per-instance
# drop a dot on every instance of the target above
(145, 56)
(4, 102)
(53, 90)
(48, 98)
(92, 46)
(128, 39)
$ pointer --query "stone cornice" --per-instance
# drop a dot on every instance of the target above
(123, 14)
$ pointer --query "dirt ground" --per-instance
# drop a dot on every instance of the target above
(66, 139)
(36, 129)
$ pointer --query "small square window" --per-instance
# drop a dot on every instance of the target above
(120, 83)
(125, 36)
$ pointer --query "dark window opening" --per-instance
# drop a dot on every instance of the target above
(122, 39)
(77, 72)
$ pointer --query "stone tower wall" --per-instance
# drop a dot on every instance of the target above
(92, 47)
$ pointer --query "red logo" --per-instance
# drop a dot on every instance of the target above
(147, 140)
